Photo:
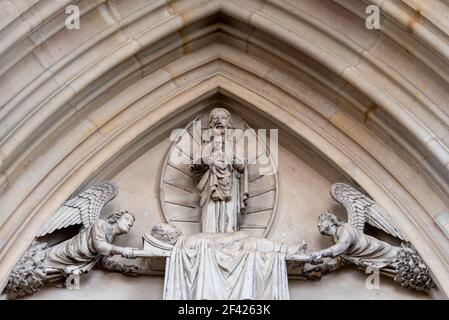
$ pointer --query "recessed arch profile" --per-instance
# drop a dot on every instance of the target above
(310, 68)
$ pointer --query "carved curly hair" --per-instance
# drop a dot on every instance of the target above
(166, 232)
(113, 218)
(219, 109)
(331, 217)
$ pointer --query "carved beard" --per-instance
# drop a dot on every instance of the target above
(220, 129)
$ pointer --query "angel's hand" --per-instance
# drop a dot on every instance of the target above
(127, 253)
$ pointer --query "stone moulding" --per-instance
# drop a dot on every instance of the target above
(374, 103)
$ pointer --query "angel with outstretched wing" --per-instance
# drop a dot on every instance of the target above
(42, 264)
(353, 246)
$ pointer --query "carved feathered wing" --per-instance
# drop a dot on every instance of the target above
(361, 209)
(83, 209)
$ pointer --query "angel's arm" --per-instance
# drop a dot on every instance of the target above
(99, 240)
(102, 245)
(337, 249)
(107, 249)
(342, 245)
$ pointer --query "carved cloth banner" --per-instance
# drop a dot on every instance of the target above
(226, 266)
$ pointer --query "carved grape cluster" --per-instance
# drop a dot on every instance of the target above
(412, 272)
(28, 275)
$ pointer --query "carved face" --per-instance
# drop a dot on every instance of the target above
(220, 119)
(218, 143)
(125, 223)
(326, 225)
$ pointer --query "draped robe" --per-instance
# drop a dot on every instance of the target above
(81, 251)
(226, 266)
(223, 188)
(365, 250)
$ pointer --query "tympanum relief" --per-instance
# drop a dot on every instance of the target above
(352, 246)
(212, 181)
(219, 177)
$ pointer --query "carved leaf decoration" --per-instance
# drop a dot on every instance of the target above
(360, 209)
(83, 209)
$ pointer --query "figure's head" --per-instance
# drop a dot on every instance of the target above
(328, 223)
(218, 142)
(220, 119)
(166, 233)
(124, 221)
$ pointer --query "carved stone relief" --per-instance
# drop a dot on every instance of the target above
(189, 195)
(353, 246)
(220, 195)
(42, 264)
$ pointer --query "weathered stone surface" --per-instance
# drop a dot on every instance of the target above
(371, 105)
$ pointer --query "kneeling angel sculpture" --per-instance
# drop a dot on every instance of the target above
(353, 246)
(42, 264)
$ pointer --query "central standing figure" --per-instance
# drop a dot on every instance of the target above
(223, 183)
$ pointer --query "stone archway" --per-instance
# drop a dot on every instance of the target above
(74, 101)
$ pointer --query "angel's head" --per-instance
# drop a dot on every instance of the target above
(328, 223)
(166, 233)
(124, 220)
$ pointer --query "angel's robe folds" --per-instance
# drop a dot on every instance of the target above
(365, 250)
(226, 266)
(81, 251)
